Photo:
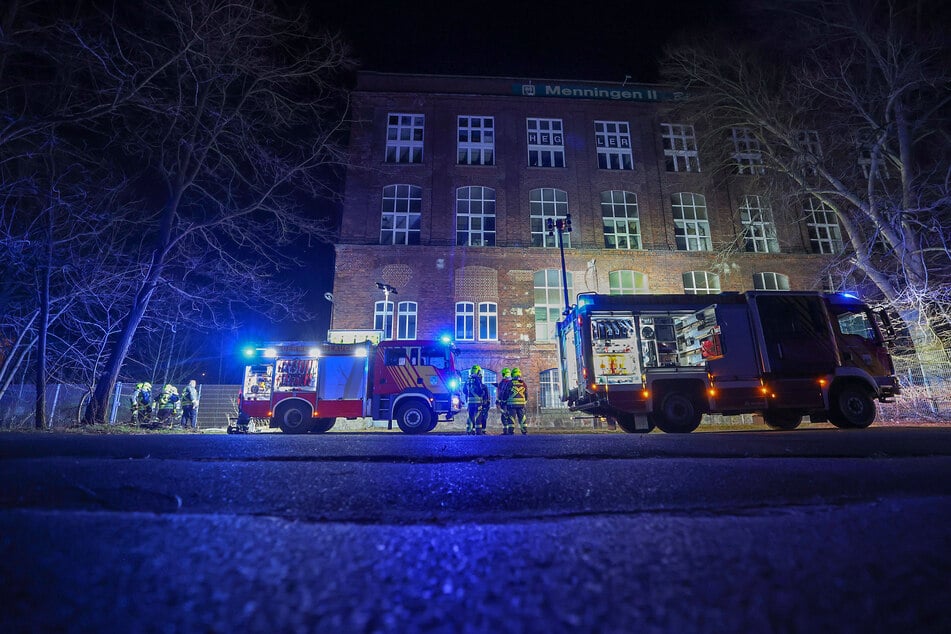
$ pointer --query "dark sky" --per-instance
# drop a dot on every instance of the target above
(584, 39)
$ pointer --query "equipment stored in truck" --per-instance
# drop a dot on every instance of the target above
(663, 361)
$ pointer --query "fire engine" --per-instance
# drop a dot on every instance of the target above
(665, 360)
(303, 387)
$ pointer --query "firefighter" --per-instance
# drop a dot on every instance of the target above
(168, 405)
(516, 396)
(501, 403)
(190, 406)
(477, 397)
(141, 402)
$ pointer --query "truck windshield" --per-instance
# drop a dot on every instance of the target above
(437, 357)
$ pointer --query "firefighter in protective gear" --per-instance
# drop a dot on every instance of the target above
(190, 406)
(500, 403)
(515, 396)
(477, 398)
(141, 403)
(169, 405)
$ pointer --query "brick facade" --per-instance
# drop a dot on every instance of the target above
(436, 274)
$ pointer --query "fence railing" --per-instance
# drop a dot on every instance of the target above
(65, 402)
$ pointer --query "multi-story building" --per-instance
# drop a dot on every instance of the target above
(453, 183)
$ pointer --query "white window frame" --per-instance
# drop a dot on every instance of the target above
(865, 161)
(545, 203)
(465, 321)
(401, 216)
(825, 236)
(404, 137)
(549, 389)
(488, 321)
(383, 310)
(627, 282)
(475, 211)
(406, 320)
(548, 311)
(546, 142)
(769, 281)
(747, 154)
(620, 220)
(691, 226)
(811, 150)
(759, 229)
(700, 282)
(680, 147)
(476, 140)
(613, 141)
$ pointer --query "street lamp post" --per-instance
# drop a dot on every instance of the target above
(559, 227)
(387, 289)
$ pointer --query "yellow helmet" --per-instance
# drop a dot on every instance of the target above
(476, 370)
(516, 373)
(506, 373)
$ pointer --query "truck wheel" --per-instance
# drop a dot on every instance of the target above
(293, 418)
(782, 418)
(626, 422)
(322, 425)
(414, 417)
(678, 414)
(852, 407)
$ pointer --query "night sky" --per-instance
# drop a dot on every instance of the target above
(602, 41)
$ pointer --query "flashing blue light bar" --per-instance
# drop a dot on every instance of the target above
(446, 339)
(584, 301)
(849, 294)
(249, 351)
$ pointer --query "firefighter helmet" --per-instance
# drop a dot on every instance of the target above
(516, 373)
(476, 370)
(506, 373)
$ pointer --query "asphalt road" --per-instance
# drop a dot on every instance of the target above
(804, 531)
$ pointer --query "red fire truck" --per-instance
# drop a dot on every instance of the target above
(304, 387)
(665, 360)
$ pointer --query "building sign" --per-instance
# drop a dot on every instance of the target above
(610, 93)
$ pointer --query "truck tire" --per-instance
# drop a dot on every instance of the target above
(414, 417)
(323, 425)
(626, 422)
(678, 414)
(852, 407)
(782, 418)
(293, 418)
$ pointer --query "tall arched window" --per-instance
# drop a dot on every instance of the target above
(701, 283)
(544, 204)
(549, 302)
(406, 320)
(627, 283)
(475, 216)
(400, 220)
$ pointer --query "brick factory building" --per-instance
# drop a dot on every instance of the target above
(452, 180)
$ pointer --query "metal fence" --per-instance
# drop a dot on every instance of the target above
(64, 404)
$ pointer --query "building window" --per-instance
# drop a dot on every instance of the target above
(549, 383)
(548, 302)
(680, 148)
(613, 140)
(747, 156)
(546, 143)
(404, 138)
(543, 204)
(622, 227)
(691, 227)
(759, 230)
(811, 150)
(383, 318)
(401, 207)
(701, 283)
(627, 283)
(770, 282)
(488, 321)
(406, 320)
(475, 216)
(465, 321)
(824, 234)
(476, 141)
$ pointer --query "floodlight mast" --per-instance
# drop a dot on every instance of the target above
(387, 289)
(561, 226)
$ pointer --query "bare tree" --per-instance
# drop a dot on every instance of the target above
(847, 103)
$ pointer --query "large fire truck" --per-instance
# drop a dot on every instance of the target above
(665, 360)
(304, 387)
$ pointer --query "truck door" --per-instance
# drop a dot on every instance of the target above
(797, 335)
